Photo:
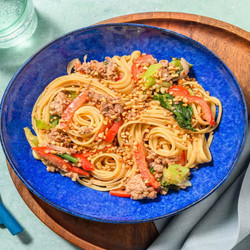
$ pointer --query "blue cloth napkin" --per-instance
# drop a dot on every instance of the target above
(221, 221)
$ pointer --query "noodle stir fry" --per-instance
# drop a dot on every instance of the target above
(130, 125)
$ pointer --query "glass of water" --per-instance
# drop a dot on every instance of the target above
(18, 21)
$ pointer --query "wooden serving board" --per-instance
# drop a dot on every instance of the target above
(232, 45)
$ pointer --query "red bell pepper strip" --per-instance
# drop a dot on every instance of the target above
(103, 128)
(207, 114)
(120, 193)
(142, 165)
(119, 78)
(68, 114)
(58, 161)
(182, 159)
(137, 69)
(113, 131)
(176, 90)
(85, 163)
(79, 171)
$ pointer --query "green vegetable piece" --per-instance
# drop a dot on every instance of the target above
(54, 120)
(32, 139)
(151, 169)
(190, 92)
(182, 115)
(42, 124)
(73, 94)
(165, 186)
(176, 62)
(165, 100)
(150, 81)
(152, 69)
(68, 157)
(166, 84)
(175, 174)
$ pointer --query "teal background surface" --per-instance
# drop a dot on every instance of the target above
(54, 19)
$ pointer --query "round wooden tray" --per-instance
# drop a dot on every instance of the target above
(232, 45)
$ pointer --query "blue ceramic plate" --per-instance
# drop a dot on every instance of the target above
(109, 40)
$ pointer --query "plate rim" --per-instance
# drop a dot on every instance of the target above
(94, 218)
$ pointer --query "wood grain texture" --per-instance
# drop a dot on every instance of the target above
(87, 234)
(232, 45)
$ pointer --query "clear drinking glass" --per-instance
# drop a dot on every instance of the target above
(18, 21)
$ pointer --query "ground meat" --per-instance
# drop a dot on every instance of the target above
(138, 189)
(112, 69)
(112, 110)
(71, 175)
(158, 162)
(107, 70)
(57, 136)
(91, 103)
(51, 168)
(109, 106)
(162, 191)
(164, 63)
(156, 167)
(148, 62)
(62, 150)
(95, 97)
(131, 115)
(153, 157)
(59, 104)
(164, 71)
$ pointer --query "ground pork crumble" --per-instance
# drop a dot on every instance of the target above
(59, 104)
(164, 72)
(138, 189)
(149, 62)
(109, 106)
(137, 186)
(58, 136)
(107, 70)
(158, 162)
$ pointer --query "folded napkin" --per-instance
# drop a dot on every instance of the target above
(221, 221)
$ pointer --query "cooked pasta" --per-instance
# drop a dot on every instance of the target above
(129, 125)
